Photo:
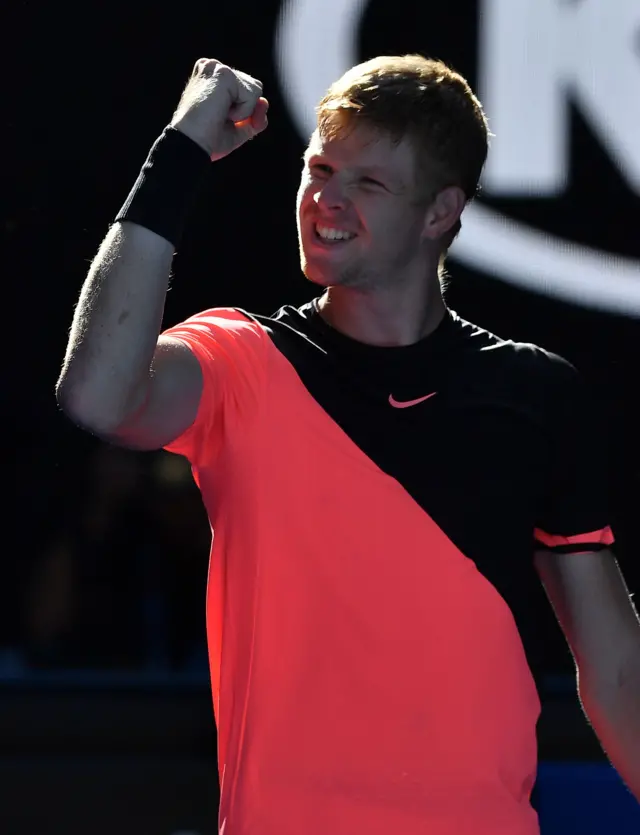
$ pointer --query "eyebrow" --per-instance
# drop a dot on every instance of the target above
(367, 170)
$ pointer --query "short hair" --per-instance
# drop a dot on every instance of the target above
(421, 99)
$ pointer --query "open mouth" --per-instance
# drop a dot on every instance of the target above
(330, 236)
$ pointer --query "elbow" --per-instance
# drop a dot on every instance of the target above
(74, 406)
(84, 409)
(66, 397)
(107, 415)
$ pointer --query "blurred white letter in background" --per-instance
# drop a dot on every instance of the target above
(535, 55)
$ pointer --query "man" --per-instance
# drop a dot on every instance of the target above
(378, 474)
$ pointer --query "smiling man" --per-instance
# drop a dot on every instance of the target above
(386, 482)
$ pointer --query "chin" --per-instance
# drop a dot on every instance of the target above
(329, 278)
(321, 279)
(316, 275)
(322, 272)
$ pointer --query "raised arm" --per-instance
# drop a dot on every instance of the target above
(119, 379)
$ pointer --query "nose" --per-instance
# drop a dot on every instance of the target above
(331, 196)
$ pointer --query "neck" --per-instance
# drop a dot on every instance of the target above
(388, 317)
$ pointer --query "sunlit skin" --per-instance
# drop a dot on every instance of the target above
(382, 285)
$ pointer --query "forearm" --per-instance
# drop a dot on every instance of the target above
(614, 712)
(115, 327)
(106, 372)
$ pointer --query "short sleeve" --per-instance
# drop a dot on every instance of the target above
(574, 512)
(231, 349)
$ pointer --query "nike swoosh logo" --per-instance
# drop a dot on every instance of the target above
(404, 404)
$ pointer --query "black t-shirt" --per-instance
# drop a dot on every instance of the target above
(498, 441)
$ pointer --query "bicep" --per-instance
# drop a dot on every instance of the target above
(171, 398)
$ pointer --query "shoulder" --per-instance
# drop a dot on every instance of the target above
(521, 375)
(220, 325)
(301, 319)
(220, 318)
(237, 321)
(223, 338)
(515, 359)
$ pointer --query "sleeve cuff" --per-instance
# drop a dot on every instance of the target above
(595, 540)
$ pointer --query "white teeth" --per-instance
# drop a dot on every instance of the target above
(334, 234)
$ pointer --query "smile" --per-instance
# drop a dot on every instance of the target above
(329, 234)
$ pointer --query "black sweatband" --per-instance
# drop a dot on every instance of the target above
(167, 185)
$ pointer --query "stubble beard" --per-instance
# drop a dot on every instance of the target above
(354, 275)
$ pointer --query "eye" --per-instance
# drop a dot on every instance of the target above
(369, 181)
(321, 169)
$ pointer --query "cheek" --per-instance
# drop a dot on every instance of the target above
(392, 230)
(402, 222)
(305, 194)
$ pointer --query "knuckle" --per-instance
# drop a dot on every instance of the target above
(206, 66)
(248, 80)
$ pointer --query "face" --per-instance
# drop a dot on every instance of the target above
(360, 223)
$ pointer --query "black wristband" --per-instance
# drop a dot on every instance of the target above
(167, 185)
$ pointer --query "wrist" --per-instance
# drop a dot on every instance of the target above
(192, 136)
(166, 187)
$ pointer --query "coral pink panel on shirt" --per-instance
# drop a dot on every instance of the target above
(367, 678)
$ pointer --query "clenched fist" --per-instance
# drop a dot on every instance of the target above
(220, 108)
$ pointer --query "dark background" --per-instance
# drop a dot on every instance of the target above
(104, 700)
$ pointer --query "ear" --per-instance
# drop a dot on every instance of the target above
(444, 212)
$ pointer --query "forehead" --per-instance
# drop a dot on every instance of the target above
(365, 149)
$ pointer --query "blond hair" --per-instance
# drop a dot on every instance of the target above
(421, 99)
